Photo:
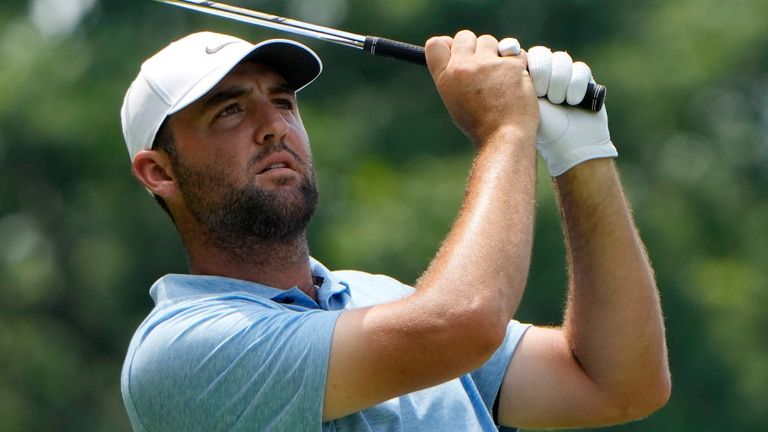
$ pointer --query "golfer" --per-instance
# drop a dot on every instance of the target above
(260, 336)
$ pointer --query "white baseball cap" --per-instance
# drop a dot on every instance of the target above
(187, 69)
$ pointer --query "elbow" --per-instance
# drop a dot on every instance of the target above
(468, 332)
(492, 338)
(657, 391)
(483, 330)
(658, 396)
(645, 401)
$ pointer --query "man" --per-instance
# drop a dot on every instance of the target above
(260, 336)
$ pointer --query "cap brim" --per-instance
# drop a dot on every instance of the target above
(295, 62)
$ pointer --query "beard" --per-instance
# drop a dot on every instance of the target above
(238, 218)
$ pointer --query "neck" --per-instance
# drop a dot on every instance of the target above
(280, 264)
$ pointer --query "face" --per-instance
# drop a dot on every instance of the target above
(243, 162)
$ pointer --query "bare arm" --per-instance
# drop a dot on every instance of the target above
(608, 364)
(458, 316)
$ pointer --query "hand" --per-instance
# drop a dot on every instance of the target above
(483, 92)
(567, 136)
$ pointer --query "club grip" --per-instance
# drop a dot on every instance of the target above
(395, 49)
(593, 99)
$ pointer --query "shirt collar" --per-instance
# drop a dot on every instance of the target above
(332, 293)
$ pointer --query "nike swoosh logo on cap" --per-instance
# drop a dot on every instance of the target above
(209, 50)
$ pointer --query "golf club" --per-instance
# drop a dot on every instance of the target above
(593, 99)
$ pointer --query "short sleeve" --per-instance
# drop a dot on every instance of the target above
(229, 365)
(488, 378)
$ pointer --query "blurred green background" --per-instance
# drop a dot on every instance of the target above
(81, 242)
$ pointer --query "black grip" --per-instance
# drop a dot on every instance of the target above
(593, 99)
(394, 49)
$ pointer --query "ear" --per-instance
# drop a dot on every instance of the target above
(153, 169)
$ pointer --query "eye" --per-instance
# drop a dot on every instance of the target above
(230, 109)
(285, 104)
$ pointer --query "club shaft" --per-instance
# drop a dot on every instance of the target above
(272, 21)
(593, 100)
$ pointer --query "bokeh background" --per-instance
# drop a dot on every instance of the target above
(81, 242)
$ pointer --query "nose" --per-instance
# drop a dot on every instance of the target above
(272, 126)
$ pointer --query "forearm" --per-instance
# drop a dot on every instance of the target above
(458, 316)
(613, 320)
(486, 256)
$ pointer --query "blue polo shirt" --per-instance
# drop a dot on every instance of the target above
(220, 354)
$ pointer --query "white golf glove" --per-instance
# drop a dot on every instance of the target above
(567, 135)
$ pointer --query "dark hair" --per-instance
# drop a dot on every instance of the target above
(164, 142)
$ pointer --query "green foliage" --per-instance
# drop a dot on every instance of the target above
(81, 242)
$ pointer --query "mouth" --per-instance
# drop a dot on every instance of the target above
(277, 165)
(278, 161)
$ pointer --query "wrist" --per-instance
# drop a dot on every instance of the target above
(592, 173)
(507, 135)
